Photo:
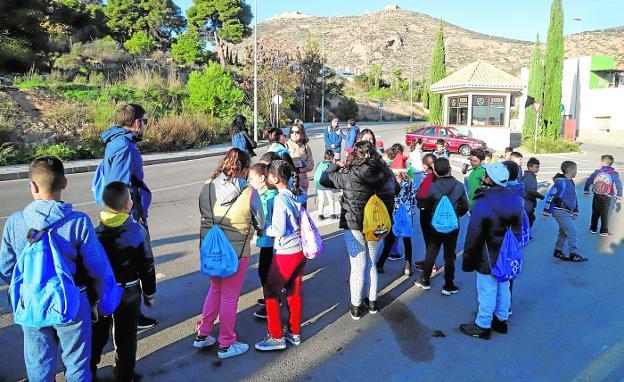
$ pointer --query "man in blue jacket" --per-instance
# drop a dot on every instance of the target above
(352, 134)
(333, 138)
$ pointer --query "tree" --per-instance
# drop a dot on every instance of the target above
(347, 108)
(140, 44)
(214, 92)
(22, 38)
(375, 73)
(553, 72)
(535, 89)
(437, 71)
(396, 78)
(424, 93)
(190, 49)
(219, 21)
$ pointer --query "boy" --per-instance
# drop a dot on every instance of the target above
(603, 181)
(507, 155)
(75, 238)
(324, 193)
(333, 138)
(441, 151)
(488, 157)
(130, 254)
(477, 157)
(562, 204)
(516, 157)
(530, 189)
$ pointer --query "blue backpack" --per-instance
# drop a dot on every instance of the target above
(402, 222)
(444, 218)
(98, 183)
(42, 290)
(239, 142)
(509, 263)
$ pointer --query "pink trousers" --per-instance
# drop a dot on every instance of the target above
(222, 302)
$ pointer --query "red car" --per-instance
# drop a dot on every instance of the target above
(458, 142)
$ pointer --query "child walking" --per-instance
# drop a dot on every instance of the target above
(605, 183)
(530, 189)
(286, 269)
(325, 194)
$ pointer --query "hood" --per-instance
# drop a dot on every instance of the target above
(113, 219)
(115, 132)
(558, 176)
(373, 174)
(228, 189)
(42, 213)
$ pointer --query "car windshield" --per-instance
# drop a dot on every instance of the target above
(456, 132)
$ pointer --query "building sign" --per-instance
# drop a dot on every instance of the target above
(497, 101)
(480, 101)
(463, 101)
(453, 102)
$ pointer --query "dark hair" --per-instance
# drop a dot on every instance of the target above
(440, 141)
(260, 168)
(235, 161)
(284, 171)
(273, 134)
(415, 142)
(516, 155)
(329, 155)
(364, 152)
(426, 158)
(362, 133)
(48, 172)
(394, 150)
(116, 195)
(513, 168)
(533, 161)
(479, 153)
(269, 157)
(567, 166)
(238, 124)
(488, 154)
(608, 159)
(442, 166)
(351, 122)
(128, 114)
(301, 131)
(508, 149)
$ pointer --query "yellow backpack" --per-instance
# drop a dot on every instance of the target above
(377, 223)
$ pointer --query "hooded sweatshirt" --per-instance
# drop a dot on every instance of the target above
(74, 236)
(562, 196)
(122, 162)
(285, 227)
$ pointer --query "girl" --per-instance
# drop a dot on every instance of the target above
(286, 270)
(276, 139)
(228, 202)
(421, 196)
(301, 154)
(363, 176)
(238, 127)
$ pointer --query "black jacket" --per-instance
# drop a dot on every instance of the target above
(494, 210)
(358, 184)
(130, 254)
(453, 189)
(530, 190)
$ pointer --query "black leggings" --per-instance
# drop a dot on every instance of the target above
(388, 242)
(264, 263)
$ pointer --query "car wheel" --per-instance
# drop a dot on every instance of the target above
(465, 150)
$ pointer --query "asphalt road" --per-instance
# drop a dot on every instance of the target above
(566, 322)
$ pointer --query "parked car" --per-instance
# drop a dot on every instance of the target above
(458, 142)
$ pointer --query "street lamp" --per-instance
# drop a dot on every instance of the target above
(323, 76)
(255, 49)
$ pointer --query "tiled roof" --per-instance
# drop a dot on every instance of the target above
(479, 74)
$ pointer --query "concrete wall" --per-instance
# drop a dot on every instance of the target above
(496, 137)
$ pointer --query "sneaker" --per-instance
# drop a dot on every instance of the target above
(422, 284)
(592, 231)
(270, 343)
(145, 322)
(473, 330)
(260, 313)
(334, 216)
(237, 348)
(499, 326)
(434, 269)
(294, 339)
(396, 256)
(560, 255)
(261, 301)
(321, 217)
(605, 234)
(450, 290)
(576, 258)
(407, 269)
(372, 306)
(356, 312)
(201, 342)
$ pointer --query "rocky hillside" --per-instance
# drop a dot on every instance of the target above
(393, 37)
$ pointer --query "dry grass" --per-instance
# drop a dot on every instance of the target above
(184, 131)
(143, 78)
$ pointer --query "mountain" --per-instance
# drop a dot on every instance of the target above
(393, 37)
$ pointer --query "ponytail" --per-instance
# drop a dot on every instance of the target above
(284, 170)
(295, 184)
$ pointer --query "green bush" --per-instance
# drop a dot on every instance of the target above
(30, 81)
(347, 108)
(7, 155)
(60, 150)
(214, 92)
(103, 115)
(380, 94)
(68, 114)
(184, 131)
(545, 146)
(140, 44)
(189, 49)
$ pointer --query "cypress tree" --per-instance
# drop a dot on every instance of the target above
(535, 89)
(425, 93)
(553, 69)
(437, 71)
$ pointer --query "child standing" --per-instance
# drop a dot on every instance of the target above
(441, 149)
(530, 189)
(562, 204)
(130, 255)
(258, 175)
(286, 270)
(603, 181)
(324, 193)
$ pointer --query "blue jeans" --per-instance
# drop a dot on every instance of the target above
(41, 348)
(567, 231)
(494, 299)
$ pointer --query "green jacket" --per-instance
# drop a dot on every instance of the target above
(474, 183)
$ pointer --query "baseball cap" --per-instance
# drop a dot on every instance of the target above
(498, 173)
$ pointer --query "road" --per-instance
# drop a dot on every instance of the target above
(566, 322)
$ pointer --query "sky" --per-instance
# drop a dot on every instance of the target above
(520, 19)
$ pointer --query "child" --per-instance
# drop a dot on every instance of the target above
(286, 270)
(421, 195)
(324, 193)
(130, 255)
(75, 238)
(603, 181)
(477, 159)
(441, 150)
(488, 157)
(258, 175)
(562, 204)
(530, 189)
(507, 155)
(516, 157)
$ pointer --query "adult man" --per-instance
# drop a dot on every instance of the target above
(474, 179)
(333, 138)
(495, 209)
(352, 133)
(122, 162)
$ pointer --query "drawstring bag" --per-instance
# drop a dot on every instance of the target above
(525, 234)
(311, 240)
(402, 226)
(444, 218)
(509, 263)
(377, 223)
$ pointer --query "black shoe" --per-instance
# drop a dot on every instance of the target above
(396, 256)
(356, 312)
(499, 326)
(261, 301)
(321, 217)
(560, 255)
(576, 258)
(372, 306)
(473, 330)
(145, 322)
(450, 290)
(334, 216)
(419, 265)
(260, 313)
(423, 284)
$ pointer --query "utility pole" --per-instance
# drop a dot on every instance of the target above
(255, 70)
(323, 77)
(411, 89)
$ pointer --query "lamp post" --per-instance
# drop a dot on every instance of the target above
(411, 88)
(255, 49)
(323, 76)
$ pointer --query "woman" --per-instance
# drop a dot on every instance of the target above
(301, 154)
(227, 201)
(366, 135)
(277, 140)
(240, 136)
(363, 176)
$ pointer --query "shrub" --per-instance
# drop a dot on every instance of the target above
(79, 93)
(347, 108)
(7, 155)
(68, 114)
(143, 78)
(30, 80)
(103, 116)
(380, 94)
(213, 91)
(96, 79)
(545, 146)
(140, 44)
(184, 131)
(60, 150)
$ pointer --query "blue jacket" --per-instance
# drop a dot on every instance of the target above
(75, 237)
(285, 222)
(494, 210)
(333, 137)
(567, 200)
(517, 187)
(122, 162)
(267, 197)
(351, 136)
(615, 177)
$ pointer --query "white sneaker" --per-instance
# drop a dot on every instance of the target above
(237, 348)
(204, 341)
(294, 339)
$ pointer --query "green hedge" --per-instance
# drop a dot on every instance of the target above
(546, 146)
